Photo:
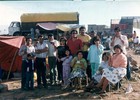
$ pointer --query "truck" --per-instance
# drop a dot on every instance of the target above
(29, 21)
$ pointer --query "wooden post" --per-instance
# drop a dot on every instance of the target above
(12, 63)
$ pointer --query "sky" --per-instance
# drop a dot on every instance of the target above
(98, 12)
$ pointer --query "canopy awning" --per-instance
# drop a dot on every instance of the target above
(54, 26)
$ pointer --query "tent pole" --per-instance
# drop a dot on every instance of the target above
(12, 63)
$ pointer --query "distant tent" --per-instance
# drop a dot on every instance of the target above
(9, 47)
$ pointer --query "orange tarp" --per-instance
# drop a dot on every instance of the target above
(9, 47)
(50, 17)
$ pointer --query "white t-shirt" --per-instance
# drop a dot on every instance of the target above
(118, 41)
(41, 46)
(51, 48)
(136, 40)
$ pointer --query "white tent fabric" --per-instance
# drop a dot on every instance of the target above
(54, 26)
(47, 26)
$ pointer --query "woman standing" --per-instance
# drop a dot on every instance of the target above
(60, 54)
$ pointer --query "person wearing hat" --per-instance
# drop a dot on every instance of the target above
(52, 48)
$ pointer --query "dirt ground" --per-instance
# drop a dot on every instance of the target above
(54, 92)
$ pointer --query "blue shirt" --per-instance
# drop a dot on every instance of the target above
(95, 54)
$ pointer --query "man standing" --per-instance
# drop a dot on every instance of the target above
(74, 43)
(119, 39)
(41, 54)
(85, 38)
(52, 44)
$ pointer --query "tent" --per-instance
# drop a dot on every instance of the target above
(54, 26)
(9, 58)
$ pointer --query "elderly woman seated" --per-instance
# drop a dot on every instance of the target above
(79, 66)
(116, 71)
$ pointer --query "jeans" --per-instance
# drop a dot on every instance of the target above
(23, 74)
(29, 80)
(52, 64)
(41, 71)
(128, 74)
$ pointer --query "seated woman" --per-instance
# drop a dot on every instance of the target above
(79, 66)
(116, 71)
(97, 77)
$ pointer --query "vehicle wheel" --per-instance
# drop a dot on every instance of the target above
(17, 34)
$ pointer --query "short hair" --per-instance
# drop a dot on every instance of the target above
(94, 39)
(29, 55)
(27, 38)
(80, 52)
(40, 36)
(50, 34)
(118, 47)
(82, 27)
(74, 31)
(117, 29)
(105, 54)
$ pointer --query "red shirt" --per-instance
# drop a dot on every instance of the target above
(74, 46)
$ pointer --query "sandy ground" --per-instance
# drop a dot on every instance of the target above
(54, 92)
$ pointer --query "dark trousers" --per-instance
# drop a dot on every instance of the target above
(29, 80)
(59, 69)
(52, 64)
(23, 74)
(128, 74)
(41, 71)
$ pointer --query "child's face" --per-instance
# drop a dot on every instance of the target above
(67, 53)
(97, 42)
(105, 58)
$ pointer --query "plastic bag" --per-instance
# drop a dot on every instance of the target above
(129, 89)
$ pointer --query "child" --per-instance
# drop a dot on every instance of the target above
(95, 55)
(97, 77)
(29, 73)
(66, 67)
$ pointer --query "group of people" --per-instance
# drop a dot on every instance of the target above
(80, 56)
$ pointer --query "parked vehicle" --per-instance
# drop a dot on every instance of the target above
(30, 20)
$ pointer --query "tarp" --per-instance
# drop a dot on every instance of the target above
(54, 26)
(50, 17)
(9, 47)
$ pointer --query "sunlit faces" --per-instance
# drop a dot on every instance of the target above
(117, 33)
(117, 50)
(82, 31)
(80, 55)
(67, 52)
(74, 33)
(29, 41)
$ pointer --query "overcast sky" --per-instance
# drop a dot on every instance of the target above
(91, 12)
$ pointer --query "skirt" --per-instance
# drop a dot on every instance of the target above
(79, 73)
(114, 75)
